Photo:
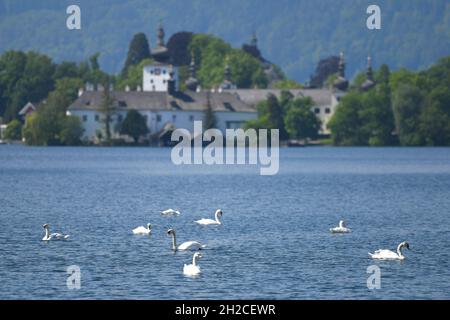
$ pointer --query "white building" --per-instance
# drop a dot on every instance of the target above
(157, 76)
(162, 106)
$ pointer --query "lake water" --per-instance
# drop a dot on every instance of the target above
(274, 242)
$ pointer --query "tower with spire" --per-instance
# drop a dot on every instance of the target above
(227, 83)
(192, 82)
(370, 82)
(160, 53)
(160, 76)
(341, 83)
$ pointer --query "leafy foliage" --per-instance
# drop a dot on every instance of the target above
(405, 107)
(13, 130)
(139, 50)
(134, 125)
(212, 54)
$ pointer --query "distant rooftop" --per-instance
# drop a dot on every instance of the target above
(253, 96)
(162, 101)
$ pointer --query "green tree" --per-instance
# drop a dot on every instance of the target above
(71, 131)
(209, 120)
(212, 54)
(108, 110)
(134, 125)
(13, 130)
(346, 123)
(406, 104)
(435, 118)
(24, 77)
(138, 50)
(276, 115)
(134, 76)
(300, 121)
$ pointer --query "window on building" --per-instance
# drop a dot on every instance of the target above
(122, 103)
(97, 118)
(151, 80)
(317, 110)
(119, 118)
(164, 71)
(84, 118)
(164, 81)
(151, 72)
(327, 110)
(158, 118)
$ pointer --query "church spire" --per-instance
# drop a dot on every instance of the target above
(254, 40)
(192, 68)
(369, 83)
(341, 65)
(192, 82)
(341, 83)
(160, 35)
(369, 71)
(227, 83)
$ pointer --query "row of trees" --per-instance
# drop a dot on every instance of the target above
(292, 116)
(404, 108)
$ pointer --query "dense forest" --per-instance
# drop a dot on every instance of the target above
(294, 34)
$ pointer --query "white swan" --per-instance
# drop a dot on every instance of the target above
(170, 212)
(384, 254)
(207, 222)
(143, 230)
(341, 229)
(193, 269)
(53, 236)
(188, 245)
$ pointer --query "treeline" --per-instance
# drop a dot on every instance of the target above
(404, 108)
(33, 77)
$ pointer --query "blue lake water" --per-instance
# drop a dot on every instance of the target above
(274, 242)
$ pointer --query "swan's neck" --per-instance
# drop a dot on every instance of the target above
(217, 218)
(194, 260)
(46, 232)
(399, 251)
(174, 241)
(341, 224)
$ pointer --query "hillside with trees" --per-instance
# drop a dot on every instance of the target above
(295, 35)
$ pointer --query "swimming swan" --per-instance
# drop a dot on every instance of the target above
(341, 229)
(390, 255)
(170, 212)
(188, 245)
(207, 222)
(53, 236)
(143, 230)
(193, 269)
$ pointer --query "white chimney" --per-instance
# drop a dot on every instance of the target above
(138, 89)
(80, 91)
(127, 88)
